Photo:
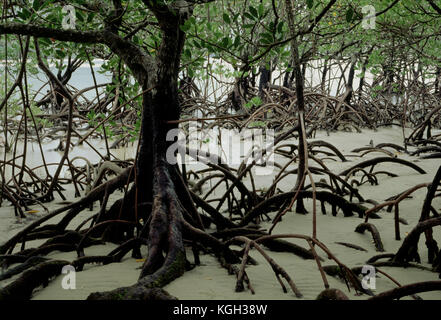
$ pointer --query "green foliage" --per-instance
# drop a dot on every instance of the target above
(254, 102)
(349, 14)
(243, 34)
(39, 121)
(258, 124)
(91, 116)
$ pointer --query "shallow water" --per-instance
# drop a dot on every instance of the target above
(52, 157)
(81, 79)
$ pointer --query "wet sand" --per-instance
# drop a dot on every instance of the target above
(210, 281)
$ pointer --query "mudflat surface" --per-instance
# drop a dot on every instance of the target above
(210, 281)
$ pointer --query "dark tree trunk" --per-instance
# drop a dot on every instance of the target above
(63, 78)
(324, 75)
(265, 80)
(240, 91)
(350, 83)
(304, 66)
(154, 195)
(303, 148)
(363, 72)
(287, 78)
(437, 82)
(389, 75)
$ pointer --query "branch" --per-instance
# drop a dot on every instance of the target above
(58, 34)
(169, 15)
(136, 59)
(434, 6)
(20, 75)
(387, 9)
(320, 16)
(314, 23)
(407, 290)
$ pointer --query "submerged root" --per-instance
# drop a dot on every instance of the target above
(40, 274)
(361, 228)
(332, 294)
